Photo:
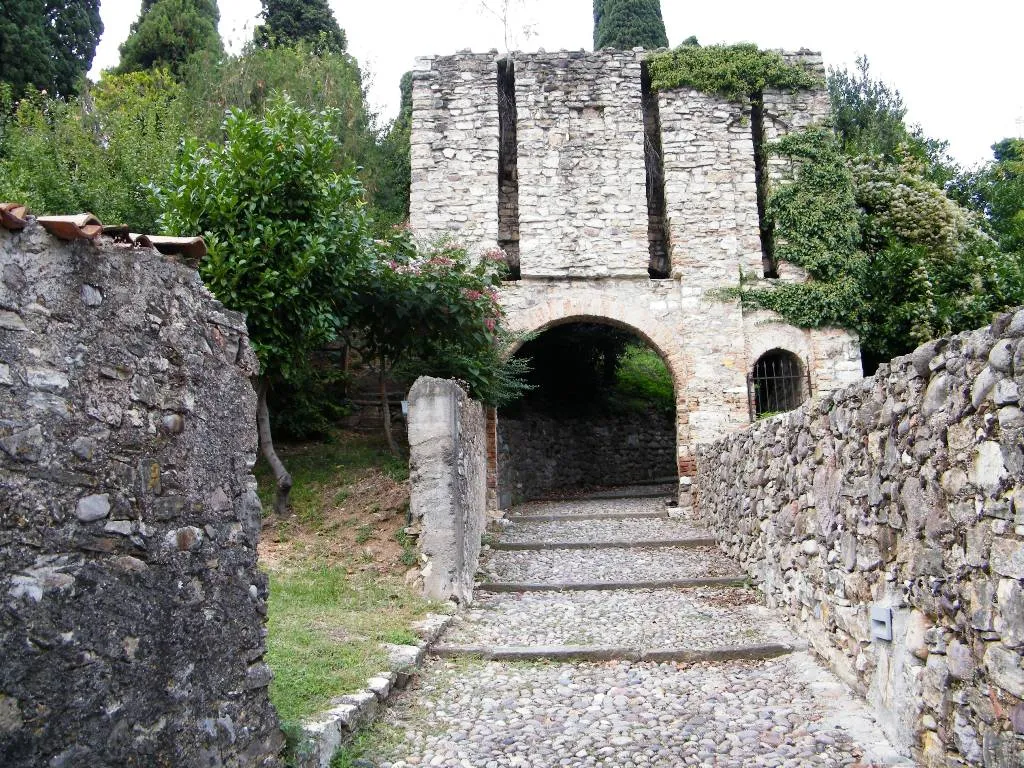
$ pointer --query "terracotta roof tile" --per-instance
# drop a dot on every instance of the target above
(189, 250)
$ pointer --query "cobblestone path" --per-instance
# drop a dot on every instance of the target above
(584, 651)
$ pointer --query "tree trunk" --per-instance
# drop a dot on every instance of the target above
(281, 476)
(385, 409)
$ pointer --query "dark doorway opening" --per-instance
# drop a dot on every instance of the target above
(602, 414)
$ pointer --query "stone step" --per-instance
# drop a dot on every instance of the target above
(524, 546)
(590, 509)
(609, 653)
(617, 568)
(628, 624)
(590, 586)
(620, 531)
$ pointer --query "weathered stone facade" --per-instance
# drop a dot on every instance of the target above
(539, 453)
(589, 235)
(131, 607)
(900, 496)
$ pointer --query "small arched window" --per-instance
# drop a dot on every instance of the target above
(778, 383)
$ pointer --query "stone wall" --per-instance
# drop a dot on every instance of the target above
(131, 608)
(539, 453)
(900, 496)
(448, 485)
(582, 177)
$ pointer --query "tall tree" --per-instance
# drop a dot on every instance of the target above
(290, 259)
(168, 33)
(289, 22)
(48, 44)
(868, 116)
(627, 24)
(996, 190)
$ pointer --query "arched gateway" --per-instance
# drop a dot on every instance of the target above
(619, 205)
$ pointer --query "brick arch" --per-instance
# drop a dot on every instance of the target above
(598, 308)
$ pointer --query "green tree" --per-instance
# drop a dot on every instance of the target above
(626, 24)
(888, 254)
(393, 172)
(289, 22)
(996, 190)
(434, 312)
(168, 33)
(287, 237)
(99, 152)
(868, 116)
(315, 80)
(48, 44)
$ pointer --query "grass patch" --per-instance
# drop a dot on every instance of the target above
(315, 467)
(325, 630)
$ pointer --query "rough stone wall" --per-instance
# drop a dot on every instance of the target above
(538, 453)
(454, 149)
(131, 607)
(902, 493)
(448, 481)
(582, 175)
(785, 112)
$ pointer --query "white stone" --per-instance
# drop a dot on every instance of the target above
(92, 508)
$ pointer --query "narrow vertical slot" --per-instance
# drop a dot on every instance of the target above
(508, 167)
(658, 266)
(771, 267)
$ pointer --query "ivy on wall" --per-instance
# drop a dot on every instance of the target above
(733, 71)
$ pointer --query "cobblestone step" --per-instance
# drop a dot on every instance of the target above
(638, 567)
(785, 711)
(525, 546)
(590, 509)
(612, 653)
(574, 530)
(697, 619)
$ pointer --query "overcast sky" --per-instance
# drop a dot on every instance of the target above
(959, 71)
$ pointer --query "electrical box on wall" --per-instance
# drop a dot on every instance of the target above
(881, 622)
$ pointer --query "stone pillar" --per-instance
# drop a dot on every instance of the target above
(448, 478)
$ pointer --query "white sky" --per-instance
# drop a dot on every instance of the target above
(957, 65)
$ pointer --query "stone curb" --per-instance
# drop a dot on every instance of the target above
(555, 586)
(606, 653)
(325, 733)
(519, 546)
(594, 516)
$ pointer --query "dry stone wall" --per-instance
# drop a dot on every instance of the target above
(900, 497)
(539, 453)
(131, 608)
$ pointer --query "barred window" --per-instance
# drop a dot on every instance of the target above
(778, 383)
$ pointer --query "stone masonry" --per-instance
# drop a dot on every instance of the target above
(585, 222)
(131, 608)
(888, 521)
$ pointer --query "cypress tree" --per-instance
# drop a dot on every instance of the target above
(48, 43)
(625, 24)
(288, 22)
(168, 33)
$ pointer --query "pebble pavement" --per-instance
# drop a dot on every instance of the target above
(573, 531)
(781, 712)
(470, 713)
(699, 619)
(606, 565)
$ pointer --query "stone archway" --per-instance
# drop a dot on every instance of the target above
(592, 306)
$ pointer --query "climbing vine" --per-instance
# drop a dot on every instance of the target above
(733, 71)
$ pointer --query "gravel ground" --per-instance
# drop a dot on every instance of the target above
(605, 565)
(590, 507)
(698, 619)
(782, 712)
(571, 531)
